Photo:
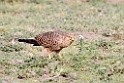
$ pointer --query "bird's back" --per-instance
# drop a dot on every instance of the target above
(53, 39)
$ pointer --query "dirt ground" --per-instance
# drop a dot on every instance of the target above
(96, 36)
(110, 1)
(115, 1)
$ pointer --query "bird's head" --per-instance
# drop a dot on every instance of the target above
(71, 38)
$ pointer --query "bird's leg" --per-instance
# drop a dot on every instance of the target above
(47, 51)
(58, 53)
(49, 56)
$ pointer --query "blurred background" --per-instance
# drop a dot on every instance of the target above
(97, 58)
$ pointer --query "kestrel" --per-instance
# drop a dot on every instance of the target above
(53, 41)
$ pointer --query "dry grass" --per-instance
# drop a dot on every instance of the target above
(98, 58)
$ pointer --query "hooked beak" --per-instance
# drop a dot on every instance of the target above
(71, 38)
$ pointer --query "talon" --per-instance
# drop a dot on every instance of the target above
(49, 56)
(59, 55)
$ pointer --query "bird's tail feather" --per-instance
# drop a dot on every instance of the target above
(30, 41)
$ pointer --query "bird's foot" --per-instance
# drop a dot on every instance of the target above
(49, 56)
(59, 55)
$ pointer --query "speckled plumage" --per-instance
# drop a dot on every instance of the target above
(53, 41)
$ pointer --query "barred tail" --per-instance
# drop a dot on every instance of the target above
(30, 41)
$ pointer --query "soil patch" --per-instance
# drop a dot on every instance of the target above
(91, 35)
(115, 1)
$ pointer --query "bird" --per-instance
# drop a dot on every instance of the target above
(52, 41)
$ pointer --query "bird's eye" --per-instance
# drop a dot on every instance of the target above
(71, 38)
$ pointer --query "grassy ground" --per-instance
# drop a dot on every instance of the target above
(90, 60)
